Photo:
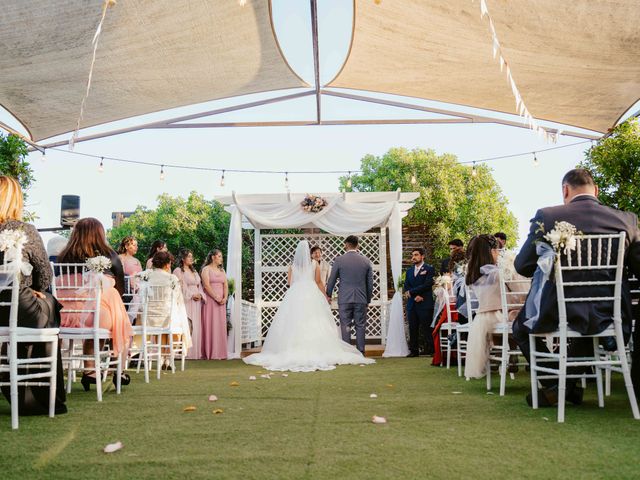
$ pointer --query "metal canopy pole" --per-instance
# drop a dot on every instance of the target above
(316, 60)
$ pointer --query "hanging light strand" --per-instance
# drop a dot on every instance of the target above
(162, 173)
(101, 166)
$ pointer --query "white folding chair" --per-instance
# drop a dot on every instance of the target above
(512, 295)
(462, 329)
(594, 254)
(23, 372)
(70, 285)
(449, 326)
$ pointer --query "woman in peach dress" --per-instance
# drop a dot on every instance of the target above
(131, 265)
(193, 300)
(88, 240)
(214, 309)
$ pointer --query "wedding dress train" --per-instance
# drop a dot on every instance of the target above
(303, 336)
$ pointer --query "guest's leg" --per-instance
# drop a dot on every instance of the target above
(414, 330)
(346, 317)
(360, 317)
(635, 360)
(427, 320)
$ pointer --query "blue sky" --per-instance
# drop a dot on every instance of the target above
(123, 187)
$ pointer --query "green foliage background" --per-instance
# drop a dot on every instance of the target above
(453, 202)
(614, 162)
(13, 163)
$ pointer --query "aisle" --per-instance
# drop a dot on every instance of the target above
(318, 426)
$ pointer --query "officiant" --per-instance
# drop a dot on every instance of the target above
(417, 290)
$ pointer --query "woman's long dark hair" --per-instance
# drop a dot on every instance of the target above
(125, 243)
(184, 253)
(87, 240)
(155, 247)
(209, 258)
(479, 254)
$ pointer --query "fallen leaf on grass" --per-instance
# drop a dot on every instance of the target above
(213, 398)
(234, 384)
(218, 411)
(190, 408)
(373, 395)
(389, 385)
(545, 419)
(376, 419)
(112, 447)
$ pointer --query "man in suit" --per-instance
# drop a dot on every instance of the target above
(502, 239)
(582, 209)
(455, 245)
(356, 290)
(417, 289)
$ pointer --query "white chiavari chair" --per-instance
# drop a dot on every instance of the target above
(462, 330)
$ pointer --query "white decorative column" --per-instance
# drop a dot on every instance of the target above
(257, 277)
(384, 297)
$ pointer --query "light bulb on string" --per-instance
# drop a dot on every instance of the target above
(536, 163)
(242, 3)
(474, 172)
(286, 180)
(44, 155)
(349, 183)
(414, 180)
(162, 173)
(222, 179)
(101, 166)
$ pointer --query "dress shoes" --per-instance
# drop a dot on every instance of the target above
(548, 397)
(413, 354)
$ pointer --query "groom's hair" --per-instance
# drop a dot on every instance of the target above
(352, 241)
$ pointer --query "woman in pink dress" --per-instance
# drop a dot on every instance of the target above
(214, 309)
(157, 246)
(131, 265)
(193, 300)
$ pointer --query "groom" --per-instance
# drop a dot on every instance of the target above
(356, 290)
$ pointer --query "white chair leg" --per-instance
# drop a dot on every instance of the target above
(488, 368)
(53, 379)
(448, 353)
(13, 383)
(562, 380)
(159, 357)
(596, 356)
(627, 376)
(172, 354)
(96, 359)
(534, 372)
(504, 358)
(119, 373)
(183, 355)
(71, 368)
(459, 355)
(145, 359)
(583, 382)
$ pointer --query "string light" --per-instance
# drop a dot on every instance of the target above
(242, 3)
(101, 167)
(349, 183)
(536, 163)
(222, 179)
(413, 179)
(286, 180)
(162, 173)
(474, 172)
(44, 155)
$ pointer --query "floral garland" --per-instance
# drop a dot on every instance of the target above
(313, 203)
(98, 264)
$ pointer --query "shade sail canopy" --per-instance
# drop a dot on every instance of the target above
(575, 63)
(152, 55)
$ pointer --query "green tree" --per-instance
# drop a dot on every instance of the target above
(194, 223)
(454, 201)
(614, 162)
(13, 153)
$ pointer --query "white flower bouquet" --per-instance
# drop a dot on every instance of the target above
(98, 264)
(506, 261)
(441, 281)
(563, 237)
(143, 275)
(12, 241)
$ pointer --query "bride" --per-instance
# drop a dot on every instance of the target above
(303, 336)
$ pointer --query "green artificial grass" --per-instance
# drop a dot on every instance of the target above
(318, 425)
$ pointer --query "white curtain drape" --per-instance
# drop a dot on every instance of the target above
(234, 271)
(396, 344)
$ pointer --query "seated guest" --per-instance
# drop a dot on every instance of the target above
(130, 264)
(458, 258)
(169, 311)
(502, 239)
(36, 307)
(193, 295)
(483, 278)
(54, 246)
(582, 209)
(157, 246)
(455, 245)
(87, 241)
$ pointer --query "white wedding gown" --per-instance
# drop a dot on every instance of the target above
(303, 336)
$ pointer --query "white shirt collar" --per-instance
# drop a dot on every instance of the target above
(418, 267)
(584, 195)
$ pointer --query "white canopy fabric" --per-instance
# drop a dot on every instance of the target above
(152, 55)
(576, 63)
(344, 215)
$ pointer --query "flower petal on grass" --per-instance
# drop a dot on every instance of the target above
(389, 385)
(213, 398)
(234, 384)
(190, 408)
(267, 376)
(379, 420)
(112, 447)
(285, 374)
(373, 395)
(456, 393)
(217, 411)
(252, 377)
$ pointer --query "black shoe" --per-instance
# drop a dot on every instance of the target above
(125, 379)
(548, 397)
(413, 354)
(87, 381)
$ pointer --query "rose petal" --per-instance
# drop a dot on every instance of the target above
(373, 395)
(112, 447)
(362, 365)
(190, 408)
(252, 377)
(285, 374)
(213, 398)
(268, 377)
(389, 385)
(234, 384)
(456, 393)
(376, 419)
(218, 411)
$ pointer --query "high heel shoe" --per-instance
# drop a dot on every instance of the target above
(87, 381)
(125, 379)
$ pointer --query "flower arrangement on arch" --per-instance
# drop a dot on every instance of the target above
(313, 203)
(98, 264)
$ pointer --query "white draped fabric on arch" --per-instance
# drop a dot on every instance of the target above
(345, 214)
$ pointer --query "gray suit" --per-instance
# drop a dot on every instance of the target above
(356, 290)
